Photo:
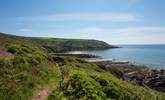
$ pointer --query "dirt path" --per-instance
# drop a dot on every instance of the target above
(42, 93)
(4, 54)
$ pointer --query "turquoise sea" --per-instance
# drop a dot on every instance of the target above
(151, 55)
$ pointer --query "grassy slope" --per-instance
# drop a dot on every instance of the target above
(82, 81)
(24, 71)
(29, 67)
(55, 44)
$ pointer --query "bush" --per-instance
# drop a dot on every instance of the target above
(112, 89)
(58, 59)
(20, 49)
(24, 71)
(23, 76)
(81, 86)
(25, 56)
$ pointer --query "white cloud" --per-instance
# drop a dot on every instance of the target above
(116, 17)
(25, 30)
(139, 39)
(126, 35)
(124, 31)
(134, 30)
(134, 1)
(92, 30)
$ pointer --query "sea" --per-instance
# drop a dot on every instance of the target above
(152, 56)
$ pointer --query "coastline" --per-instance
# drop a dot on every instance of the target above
(125, 70)
(91, 57)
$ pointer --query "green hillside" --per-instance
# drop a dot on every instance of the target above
(55, 44)
(27, 72)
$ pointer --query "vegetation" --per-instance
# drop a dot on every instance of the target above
(24, 71)
(55, 44)
(28, 67)
(84, 83)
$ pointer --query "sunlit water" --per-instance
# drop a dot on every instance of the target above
(151, 55)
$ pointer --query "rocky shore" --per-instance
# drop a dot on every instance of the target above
(142, 75)
(125, 70)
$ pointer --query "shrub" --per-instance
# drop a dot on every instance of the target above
(13, 48)
(113, 89)
(85, 87)
(23, 76)
(58, 59)
(25, 56)
(20, 49)
(81, 86)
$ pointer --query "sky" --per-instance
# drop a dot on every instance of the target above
(112, 21)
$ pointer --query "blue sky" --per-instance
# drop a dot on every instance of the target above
(113, 21)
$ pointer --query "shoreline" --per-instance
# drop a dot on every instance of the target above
(125, 70)
(91, 57)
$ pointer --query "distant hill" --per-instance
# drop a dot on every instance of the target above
(55, 44)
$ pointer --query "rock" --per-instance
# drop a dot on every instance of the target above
(162, 72)
(135, 76)
(156, 80)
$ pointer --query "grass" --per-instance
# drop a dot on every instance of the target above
(82, 80)
(29, 67)
(24, 72)
(54, 44)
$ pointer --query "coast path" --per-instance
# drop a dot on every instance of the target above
(43, 92)
(4, 53)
